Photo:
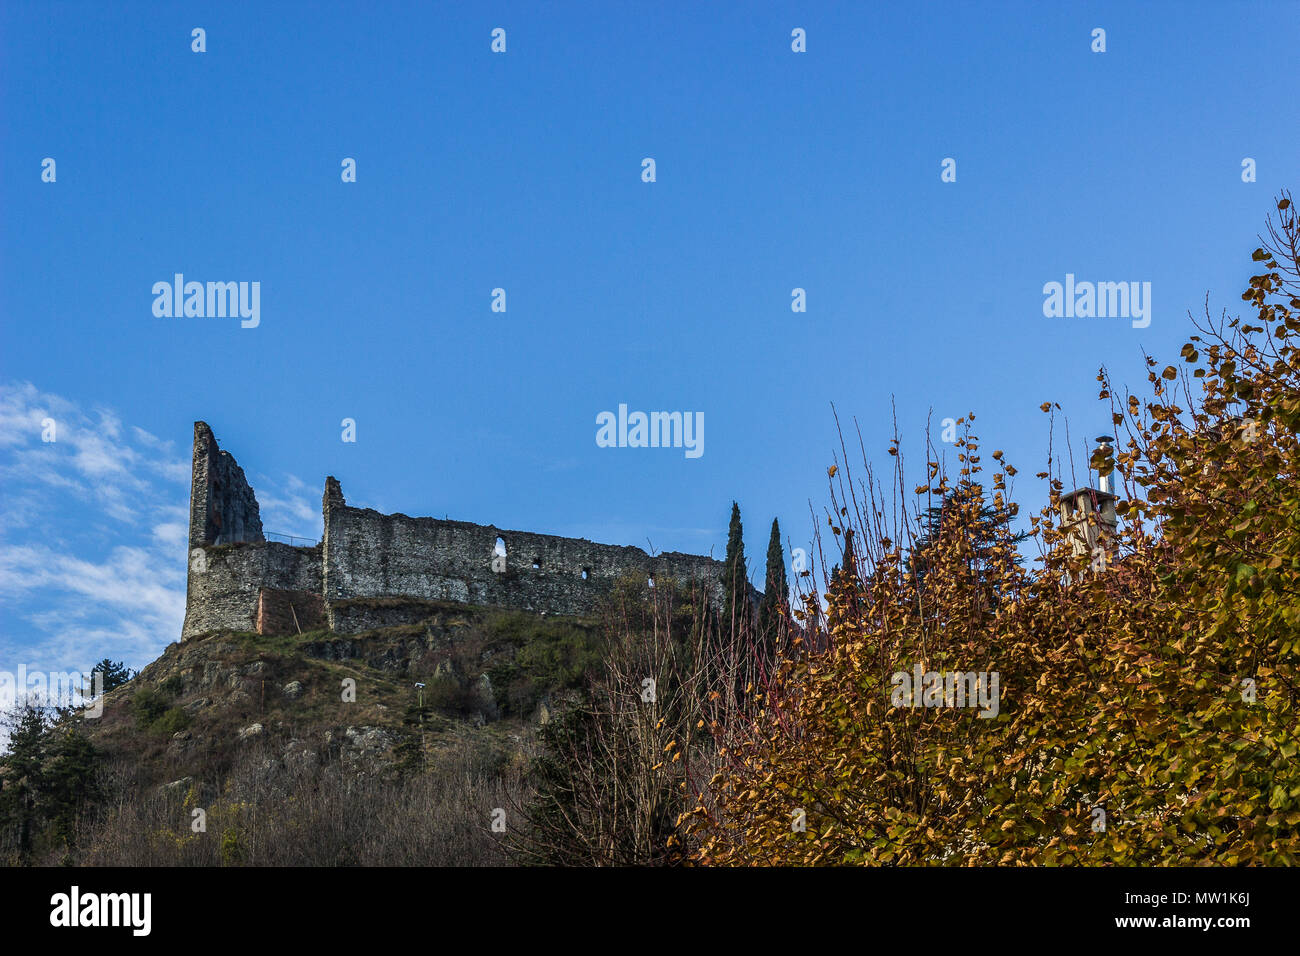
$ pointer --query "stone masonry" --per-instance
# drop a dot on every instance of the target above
(372, 570)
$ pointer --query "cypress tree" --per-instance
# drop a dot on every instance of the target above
(775, 595)
(735, 576)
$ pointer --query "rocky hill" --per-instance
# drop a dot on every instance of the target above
(236, 717)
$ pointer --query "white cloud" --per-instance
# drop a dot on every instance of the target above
(92, 539)
(89, 456)
(93, 533)
(172, 534)
(289, 506)
(127, 605)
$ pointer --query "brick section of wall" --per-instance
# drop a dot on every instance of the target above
(289, 612)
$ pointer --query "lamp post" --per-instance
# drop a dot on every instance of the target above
(420, 688)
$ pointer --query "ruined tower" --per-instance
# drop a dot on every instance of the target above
(237, 580)
(223, 509)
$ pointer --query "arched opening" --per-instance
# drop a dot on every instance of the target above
(586, 573)
(650, 581)
(499, 556)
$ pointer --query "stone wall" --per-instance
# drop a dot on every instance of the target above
(224, 581)
(372, 570)
(365, 614)
(369, 555)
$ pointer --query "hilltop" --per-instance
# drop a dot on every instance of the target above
(246, 721)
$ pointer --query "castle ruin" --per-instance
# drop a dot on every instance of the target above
(375, 570)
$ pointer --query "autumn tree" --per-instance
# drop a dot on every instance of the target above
(1147, 705)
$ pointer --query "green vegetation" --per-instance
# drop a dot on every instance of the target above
(154, 710)
(48, 783)
(550, 655)
(149, 705)
(113, 674)
(773, 612)
(735, 576)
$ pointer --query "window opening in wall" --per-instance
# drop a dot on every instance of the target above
(537, 564)
(499, 556)
(586, 573)
(650, 581)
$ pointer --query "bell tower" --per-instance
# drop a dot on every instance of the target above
(1088, 516)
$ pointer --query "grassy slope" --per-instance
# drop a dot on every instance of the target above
(206, 690)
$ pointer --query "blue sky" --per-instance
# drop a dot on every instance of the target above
(775, 170)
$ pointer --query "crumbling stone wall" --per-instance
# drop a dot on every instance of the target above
(373, 569)
(368, 555)
(229, 557)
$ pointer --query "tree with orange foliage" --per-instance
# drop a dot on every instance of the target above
(1146, 707)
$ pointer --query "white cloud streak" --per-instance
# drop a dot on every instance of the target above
(93, 533)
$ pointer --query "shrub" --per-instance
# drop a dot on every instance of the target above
(148, 705)
(171, 721)
(446, 694)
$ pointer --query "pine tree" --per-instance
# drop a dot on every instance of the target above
(985, 528)
(71, 785)
(24, 777)
(771, 623)
(115, 674)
